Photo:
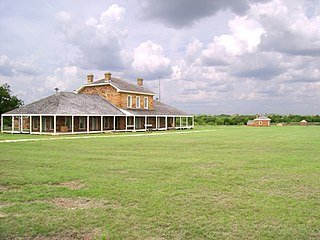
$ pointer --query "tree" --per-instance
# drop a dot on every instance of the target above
(7, 100)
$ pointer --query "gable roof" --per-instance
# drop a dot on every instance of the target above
(262, 118)
(159, 109)
(121, 86)
(69, 103)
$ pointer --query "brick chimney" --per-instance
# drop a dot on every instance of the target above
(90, 78)
(140, 82)
(107, 76)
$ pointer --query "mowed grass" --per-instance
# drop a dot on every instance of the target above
(227, 183)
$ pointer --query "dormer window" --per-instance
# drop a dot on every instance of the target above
(137, 102)
(129, 101)
(146, 103)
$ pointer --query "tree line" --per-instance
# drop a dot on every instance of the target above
(236, 119)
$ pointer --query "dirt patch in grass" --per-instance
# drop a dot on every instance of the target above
(82, 203)
(4, 188)
(95, 234)
(72, 185)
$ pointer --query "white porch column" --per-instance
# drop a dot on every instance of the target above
(126, 123)
(145, 123)
(156, 122)
(180, 122)
(54, 124)
(1, 123)
(30, 124)
(40, 123)
(166, 126)
(134, 123)
(88, 123)
(12, 123)
(101, 124)
(72, 124)
(114, 123)
(21, 124)
(192, 121)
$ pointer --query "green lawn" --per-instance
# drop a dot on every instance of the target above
(229, 183)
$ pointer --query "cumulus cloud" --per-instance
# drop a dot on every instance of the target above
(149, 60)
(64, 78)
(100, 42)
(181, 13)
(287, 28)
(10, 67)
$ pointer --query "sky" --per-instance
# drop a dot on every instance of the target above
(202, 56)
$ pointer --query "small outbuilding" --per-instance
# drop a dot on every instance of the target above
(259, 122)
(304, 123)
(262, 121)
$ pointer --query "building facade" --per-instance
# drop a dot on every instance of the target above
(108, 104)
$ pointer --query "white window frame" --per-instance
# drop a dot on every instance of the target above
(129, 101)
(137, 101)
(146, 102)
(260, 123)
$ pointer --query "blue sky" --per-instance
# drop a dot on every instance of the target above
(244, 56)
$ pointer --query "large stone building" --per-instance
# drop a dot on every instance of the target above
(108, 104)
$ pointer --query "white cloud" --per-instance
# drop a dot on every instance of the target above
(100, 41)
(149, 60)
(9, 67)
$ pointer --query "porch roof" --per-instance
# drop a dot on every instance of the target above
(159, 109)
(69, 103)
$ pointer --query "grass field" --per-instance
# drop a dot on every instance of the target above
(226, 183)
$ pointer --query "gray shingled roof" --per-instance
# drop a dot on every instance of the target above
(69, 103)
(262, 118)
(159, 109)
(124, 85)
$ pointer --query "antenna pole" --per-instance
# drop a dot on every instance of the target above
(159, 88)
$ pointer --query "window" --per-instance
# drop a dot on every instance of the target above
(35, 122)
(129, 102)
(67, 122)
(82, 122)
(51, 123)
(137, 102)
(94, 123)
(47, 123)
(260, 123)
(146, 102)
(106, 122)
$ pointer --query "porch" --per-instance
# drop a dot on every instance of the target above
(76, 124)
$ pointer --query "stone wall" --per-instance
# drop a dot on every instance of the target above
(119, 99)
